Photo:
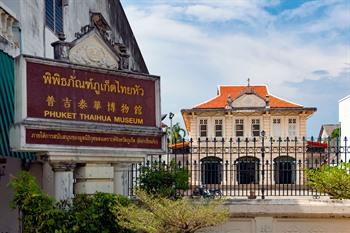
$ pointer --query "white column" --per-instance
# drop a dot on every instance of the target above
(63, 179)
(120, 178)
(48, 179)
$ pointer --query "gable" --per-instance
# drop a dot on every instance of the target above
(94, 46)
(248, 101)
(91, 50)
(260, 91)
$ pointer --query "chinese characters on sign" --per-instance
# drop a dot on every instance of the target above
(64, 93)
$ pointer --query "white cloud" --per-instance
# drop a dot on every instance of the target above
(217, 11)
(193, 61)
(319, 16)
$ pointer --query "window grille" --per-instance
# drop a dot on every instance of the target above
(54, 15)
(255, 127)
(218, 128)
(203, 128)
(239, 127)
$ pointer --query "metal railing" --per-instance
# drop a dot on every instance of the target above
(250, 167)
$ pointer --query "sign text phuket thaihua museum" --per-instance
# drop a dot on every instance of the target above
(65, 105)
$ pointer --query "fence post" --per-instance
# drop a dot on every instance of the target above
(263, 164)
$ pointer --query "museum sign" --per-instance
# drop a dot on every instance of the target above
(69, 105)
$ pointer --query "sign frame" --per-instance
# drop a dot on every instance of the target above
(24, 123)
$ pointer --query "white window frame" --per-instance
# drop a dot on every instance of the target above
(222, 127)
(251, 125)
(273, 130)
(292, 121)
(199, 127)
(235, 128)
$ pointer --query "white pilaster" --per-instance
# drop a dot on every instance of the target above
(63, 179)
(48, 179)
(120, 178)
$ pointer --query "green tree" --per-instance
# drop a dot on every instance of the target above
(332, 180)
(163, 179)
(161, 215)
(335, 133)
(176, 133)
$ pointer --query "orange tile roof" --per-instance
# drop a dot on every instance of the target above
(220, 101)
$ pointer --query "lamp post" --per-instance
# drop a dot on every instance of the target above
(171, 115)
(263, 164)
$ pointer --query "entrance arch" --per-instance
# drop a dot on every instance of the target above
(285, 170)
(247, 170)
(211, 170)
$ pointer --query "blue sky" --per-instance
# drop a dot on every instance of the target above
(300, 49)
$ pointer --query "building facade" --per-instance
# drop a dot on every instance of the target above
(344, 120)
(245, 132)
(44, 46)
(245, 111)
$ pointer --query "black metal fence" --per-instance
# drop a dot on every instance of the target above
(250, 167)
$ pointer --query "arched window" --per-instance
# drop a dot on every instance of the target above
(211, 170)
(247, 170)
(285, 170)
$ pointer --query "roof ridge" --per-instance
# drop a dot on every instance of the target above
(261, 90)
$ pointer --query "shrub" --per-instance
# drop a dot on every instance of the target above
(333, 180)
(96, 213)
(163, 180)
(158, 215)
(82, 214)
(39, 213)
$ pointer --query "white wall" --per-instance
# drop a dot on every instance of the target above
(285, 216)
(344, 119)
(37, 38)
(229, 125)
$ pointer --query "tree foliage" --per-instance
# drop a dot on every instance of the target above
(82, 214)
(335, 133)
(159, 215)
(163, 180)
(38, 210)
(176, 133)
(332, 180)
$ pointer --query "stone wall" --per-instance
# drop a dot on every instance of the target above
(285, 216)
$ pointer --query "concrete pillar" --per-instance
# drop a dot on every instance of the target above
(48, 179)
(63, 179)
(120, 178)
(94, 177)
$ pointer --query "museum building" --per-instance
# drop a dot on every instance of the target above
(243, 132)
